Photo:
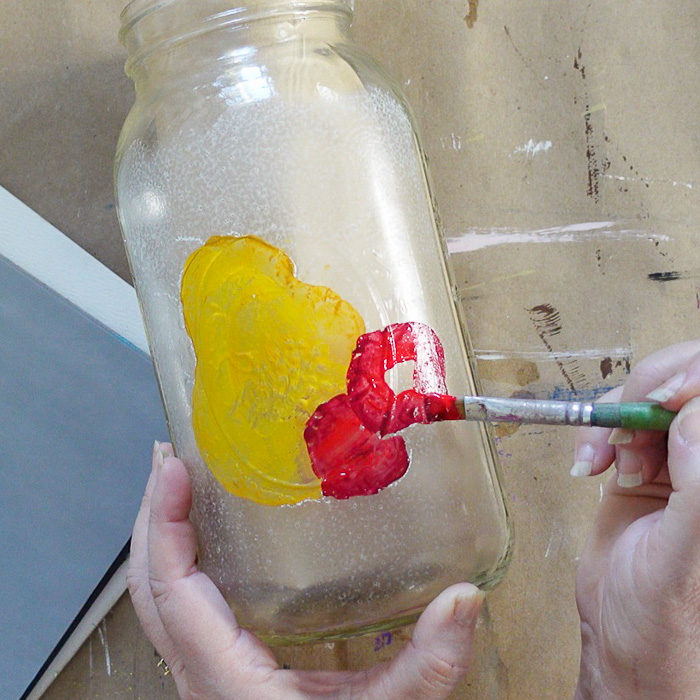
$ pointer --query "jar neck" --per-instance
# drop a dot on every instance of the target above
(171, 36)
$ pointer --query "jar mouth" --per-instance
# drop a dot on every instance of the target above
(148, 25)
(137, 10)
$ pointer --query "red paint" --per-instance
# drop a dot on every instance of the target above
(349, 459)
(346, 436)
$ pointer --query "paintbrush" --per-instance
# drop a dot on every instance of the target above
(633, 416)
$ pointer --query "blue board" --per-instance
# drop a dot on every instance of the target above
(79, 411)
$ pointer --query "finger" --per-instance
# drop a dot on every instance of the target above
(427, 668)
(675, 492)
(684, 449)
(640, 461)
(673, 375)
(593, 454)
(194, 614)
(438, 656)
(681, 524)
(679, 388)
(656, 369)
(172, 544)
(619, 511)
(137, 572)
(639, 455)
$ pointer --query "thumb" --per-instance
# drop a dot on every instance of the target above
(682, 516)
(437, 658)
(684, 448)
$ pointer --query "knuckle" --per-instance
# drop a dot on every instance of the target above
(133, 581)
(440, 673)
(160, 590)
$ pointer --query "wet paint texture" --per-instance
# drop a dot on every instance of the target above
(346, 436)
(272, 353)
(269, 350)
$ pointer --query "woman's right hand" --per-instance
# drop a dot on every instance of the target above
(638, 583)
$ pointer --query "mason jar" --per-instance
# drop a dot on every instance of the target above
(302, 318)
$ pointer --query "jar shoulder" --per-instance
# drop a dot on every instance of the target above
(296, 73)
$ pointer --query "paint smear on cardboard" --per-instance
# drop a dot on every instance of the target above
(548, 324)
(471, 16)
(532, 148)
(673, 275)
(513, 371)
(612, 231)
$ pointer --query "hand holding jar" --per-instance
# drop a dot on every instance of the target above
(212, 658)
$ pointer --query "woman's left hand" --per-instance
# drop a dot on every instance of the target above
(212, 658)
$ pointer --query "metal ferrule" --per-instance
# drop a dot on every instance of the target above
(528, 411)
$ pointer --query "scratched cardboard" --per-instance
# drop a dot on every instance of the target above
(562, 141)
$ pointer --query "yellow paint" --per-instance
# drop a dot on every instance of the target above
(600, 107)
(270, 349)
(499, 279)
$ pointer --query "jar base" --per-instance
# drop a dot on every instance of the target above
(403, 619)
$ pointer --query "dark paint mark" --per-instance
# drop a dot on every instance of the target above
(664, 276)
(547, 323)
(546, 318)
(638, 177)
(607, 367)
(594, 165)
(470, 19)
(518, 51)
(673, 275)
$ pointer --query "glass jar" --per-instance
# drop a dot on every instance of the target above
(276, 212)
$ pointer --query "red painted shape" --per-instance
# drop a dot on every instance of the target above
(349, 459)
(346, 436)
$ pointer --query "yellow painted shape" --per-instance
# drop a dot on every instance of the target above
(270, 349)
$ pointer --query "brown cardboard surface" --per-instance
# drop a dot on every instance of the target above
(563, 145)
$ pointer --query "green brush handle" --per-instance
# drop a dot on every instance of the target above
(634, 416)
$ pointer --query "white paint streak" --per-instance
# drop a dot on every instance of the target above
(532, 148)
(454, 141)
(600, 486)
(189, 239)
(651, 180)
(477, 238)
(553, 544)
(102, 632)
(539, 355)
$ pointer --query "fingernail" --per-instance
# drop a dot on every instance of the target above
(621, 436)
(629, 481)
(689, 422)
(629, 470)
(584, 459)
(467, 608)
(158, 457)
(668, 389)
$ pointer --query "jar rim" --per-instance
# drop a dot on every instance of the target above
(151, 22)
(135, 10)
